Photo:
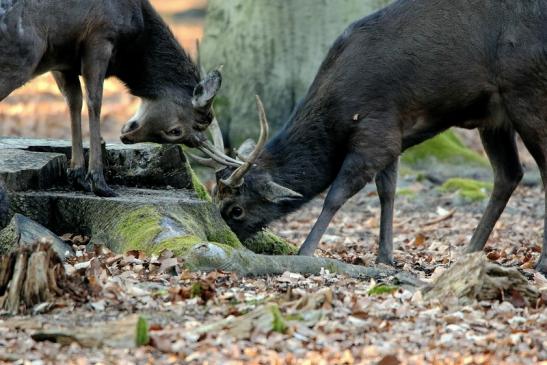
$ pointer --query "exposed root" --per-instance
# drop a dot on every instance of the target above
(209, 257)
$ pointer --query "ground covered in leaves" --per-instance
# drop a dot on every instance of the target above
(219, 318)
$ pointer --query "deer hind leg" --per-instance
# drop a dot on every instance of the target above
(538, 149)
(70, 87)
(386, 184)
(501, 149)
(529, 116)
(94, 66)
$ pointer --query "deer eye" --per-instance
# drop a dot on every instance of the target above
(175, 132)
(236, 213)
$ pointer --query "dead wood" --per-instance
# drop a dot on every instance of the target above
(30, 276)
(474, 277)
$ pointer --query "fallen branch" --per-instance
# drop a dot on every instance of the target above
(440, 219)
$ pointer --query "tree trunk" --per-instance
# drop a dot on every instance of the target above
(273, 49)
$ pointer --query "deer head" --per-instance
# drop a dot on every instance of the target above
(171, 120)
(246, 194)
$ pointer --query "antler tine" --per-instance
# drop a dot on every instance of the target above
(216, 134)
(221, 159)
(208, 162)
(236, 179)
(216, 150)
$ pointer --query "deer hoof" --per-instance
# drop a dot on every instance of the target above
(77, 178)
(305, 252)
(99, 186)
(386, 260)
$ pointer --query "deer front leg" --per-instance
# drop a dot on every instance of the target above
(70, 87)
(346, 184)
(386, 184)
(94, 66)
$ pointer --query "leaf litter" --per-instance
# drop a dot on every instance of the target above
(138, 309)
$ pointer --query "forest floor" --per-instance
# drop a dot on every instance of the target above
(219, 318)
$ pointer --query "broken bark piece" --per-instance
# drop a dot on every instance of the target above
(30, 276)
(23, 231)
(124, 333)
(474, 277)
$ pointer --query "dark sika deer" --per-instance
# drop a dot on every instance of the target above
(97, 39)
(391, 81)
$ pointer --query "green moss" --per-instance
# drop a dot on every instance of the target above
(382, 289)
(178, 245)
(446, 147)
(469, 189)
(138, 228)
(196, 290)
(266, 242)
(278, 322)
(142, 338)
(225, 236)
(406, 192)
(199, 188)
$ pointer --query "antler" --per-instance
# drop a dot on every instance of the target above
(236, 179)
(215, 151)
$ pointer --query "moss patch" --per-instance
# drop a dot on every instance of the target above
(469, 189)
(138, 228)
(406, 192)
(178, 245)
(267, 243)
(382, 289)
(142, 338)
(278, 322)
(447, 148)
(199, 188)
(225, 236)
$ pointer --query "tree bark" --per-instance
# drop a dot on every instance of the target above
(273, 49)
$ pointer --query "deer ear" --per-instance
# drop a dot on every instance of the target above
(276, 193)
(246, 148)
(206, 90)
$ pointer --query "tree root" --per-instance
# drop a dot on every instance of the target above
(209, 257)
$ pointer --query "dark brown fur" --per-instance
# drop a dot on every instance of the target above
(393, 80)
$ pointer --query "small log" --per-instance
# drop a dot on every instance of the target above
(124, 333)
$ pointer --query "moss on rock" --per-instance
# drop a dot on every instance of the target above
(406, 192)
(445, 148)
(469, 189)
(199, 188)
(266, 242)
(136, 229)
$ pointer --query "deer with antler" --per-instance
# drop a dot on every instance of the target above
(391, 81)
(97, 39)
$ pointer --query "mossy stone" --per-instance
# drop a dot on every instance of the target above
(444, 148)
(266, 242)
(469, 189)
